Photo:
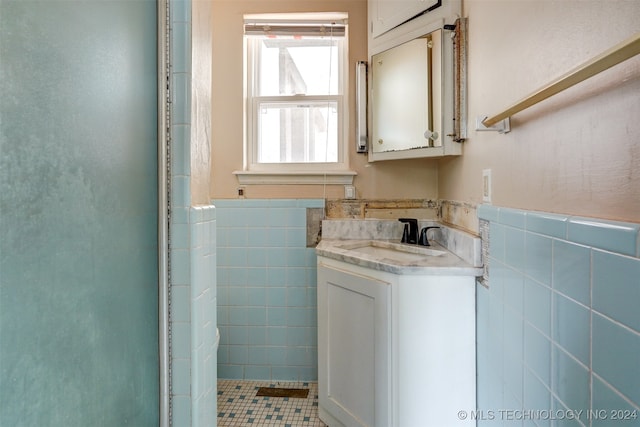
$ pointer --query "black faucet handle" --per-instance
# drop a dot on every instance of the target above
(413, 230)
(424, 240)
(405, 234)
(409, 220)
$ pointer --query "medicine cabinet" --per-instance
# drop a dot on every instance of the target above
(388, 14)
(416, 81)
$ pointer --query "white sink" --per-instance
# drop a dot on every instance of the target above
(397, 252)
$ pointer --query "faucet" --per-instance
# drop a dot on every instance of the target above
(423, 240)
(410, 233)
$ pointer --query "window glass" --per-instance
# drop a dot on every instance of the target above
(307, 66)
(298, 132)
(295, 90)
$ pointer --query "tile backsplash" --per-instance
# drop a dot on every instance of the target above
(266, 290)
(558, 321)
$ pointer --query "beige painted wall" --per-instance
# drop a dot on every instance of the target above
(201, 39)
(380, 180)
(576, 153)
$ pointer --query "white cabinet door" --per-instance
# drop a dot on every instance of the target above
(387, 14)
(353, 348)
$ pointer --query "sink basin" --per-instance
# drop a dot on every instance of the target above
(397, 252)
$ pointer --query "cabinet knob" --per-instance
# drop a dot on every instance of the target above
(430, 135)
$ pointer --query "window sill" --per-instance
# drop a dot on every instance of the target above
(295, 177)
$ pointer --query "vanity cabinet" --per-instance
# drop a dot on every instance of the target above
(394, 350)
(387, 14)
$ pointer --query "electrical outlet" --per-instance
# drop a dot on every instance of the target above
(486, 185)
(241, 192)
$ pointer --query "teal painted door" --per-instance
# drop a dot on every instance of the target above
(78, 213)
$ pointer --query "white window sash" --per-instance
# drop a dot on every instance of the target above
(251, 165)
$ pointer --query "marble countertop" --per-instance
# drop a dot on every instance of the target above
(446, 264)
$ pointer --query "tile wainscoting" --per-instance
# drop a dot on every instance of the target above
(266, 290)
(558, 322)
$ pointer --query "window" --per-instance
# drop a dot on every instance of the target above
(295, 87)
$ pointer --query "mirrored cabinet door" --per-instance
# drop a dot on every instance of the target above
(401, 97)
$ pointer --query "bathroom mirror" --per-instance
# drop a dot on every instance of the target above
(406, 95)
(416, 91)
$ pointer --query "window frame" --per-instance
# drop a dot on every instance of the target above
(303, 172)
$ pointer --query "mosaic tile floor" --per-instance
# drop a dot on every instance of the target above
(239, 406)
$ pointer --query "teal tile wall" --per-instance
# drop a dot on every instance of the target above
(193, 253)
(558, 322)
(193, 319)
(179, 229)
(266, 290)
